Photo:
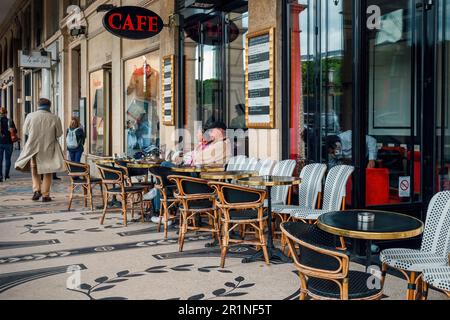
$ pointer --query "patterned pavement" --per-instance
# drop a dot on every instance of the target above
(47, 252)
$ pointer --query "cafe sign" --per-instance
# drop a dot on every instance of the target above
(133, 22)
(34, 60)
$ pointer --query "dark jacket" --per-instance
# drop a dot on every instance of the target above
(5, 125)
(81, 137)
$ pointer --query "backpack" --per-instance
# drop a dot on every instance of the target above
(71, 139)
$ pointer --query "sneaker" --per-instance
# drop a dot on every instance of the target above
(37, 195)
(150, 195)
(46, 199)
(155, 219)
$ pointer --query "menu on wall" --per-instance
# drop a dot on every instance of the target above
(168, 85)
(260, 80)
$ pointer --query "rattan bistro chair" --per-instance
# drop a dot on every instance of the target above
(241, 206)
(323, 269)
(135, 172)
(434, 250)
(167, 190)
(79, 174)
(115, 184)
(197, 198)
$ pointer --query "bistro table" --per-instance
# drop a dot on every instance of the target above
(386, 226)
(269, 182)
(227, 175)
(198, 169)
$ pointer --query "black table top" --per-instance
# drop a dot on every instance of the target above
(387, 225)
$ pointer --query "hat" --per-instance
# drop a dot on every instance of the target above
(3, 110)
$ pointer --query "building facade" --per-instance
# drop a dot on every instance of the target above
(359, 82)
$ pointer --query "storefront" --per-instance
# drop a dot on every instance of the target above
(357, 82)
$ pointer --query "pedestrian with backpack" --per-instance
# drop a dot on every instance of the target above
(8, 135)
(75, 138)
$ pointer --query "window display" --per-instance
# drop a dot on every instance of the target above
(142, 103)
(97, 113)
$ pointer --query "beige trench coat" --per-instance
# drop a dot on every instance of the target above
(43, 129)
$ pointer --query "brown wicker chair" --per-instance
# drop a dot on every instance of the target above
(115, 184)
(79, 174)
(197, 198)
(168, 201)
(241, 207)
(323, 269)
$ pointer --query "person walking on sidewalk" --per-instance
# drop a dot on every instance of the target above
(7, 133)
(42, 151)
(75, 138)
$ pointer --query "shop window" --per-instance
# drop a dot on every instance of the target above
(142, 105)
(98, 114)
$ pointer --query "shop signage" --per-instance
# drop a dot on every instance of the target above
(210, 32)
(259, 81)
(34, 60)
(133, 22)
(168, 85)
(404, 187)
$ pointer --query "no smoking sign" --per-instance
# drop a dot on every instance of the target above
(404, 187)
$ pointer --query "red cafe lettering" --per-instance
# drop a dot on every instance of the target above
(118, 21)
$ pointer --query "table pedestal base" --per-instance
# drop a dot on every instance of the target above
(274, 254)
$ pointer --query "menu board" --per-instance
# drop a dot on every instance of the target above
(168, 96)
(259, 81)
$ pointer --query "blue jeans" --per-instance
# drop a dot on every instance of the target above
(7, 150)
(75, 155)
(157, 200)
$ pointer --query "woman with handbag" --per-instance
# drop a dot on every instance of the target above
(8, 136)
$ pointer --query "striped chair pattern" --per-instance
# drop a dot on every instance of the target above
(334, 195)
(438, 278)
(250, 164)
(265, 167)
(235, 163)
(434, 249)
(283, 168)
(310, 187)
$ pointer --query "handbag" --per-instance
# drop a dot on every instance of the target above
(13, 133)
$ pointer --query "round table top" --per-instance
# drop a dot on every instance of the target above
(269, 181)
(225, 175)
(386, 226)
(198, 169)
(143, 165)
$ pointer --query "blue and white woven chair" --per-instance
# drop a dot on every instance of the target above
(434, 249)
(283, 168)
(438, 278)
(250, 164)
(265, 167)
(235, 163)
(334, 195)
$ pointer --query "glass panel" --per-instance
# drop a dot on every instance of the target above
(97, 113)
(443, 98)
(393, 144)
(142, 103)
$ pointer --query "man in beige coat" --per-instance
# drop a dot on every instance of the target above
(42, 151)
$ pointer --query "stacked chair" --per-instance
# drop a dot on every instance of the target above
(433, 253)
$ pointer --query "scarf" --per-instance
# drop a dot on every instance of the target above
(44, 108)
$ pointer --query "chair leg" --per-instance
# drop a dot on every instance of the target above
(225, 243)
(85, 196)
(105, 208)
(183, 231)
(71, 196)
(263, 242)
(141, 201)
(166, 221)
(124, 209)
(132, 205)
(411, 286)
(162, 209)
(91, 201)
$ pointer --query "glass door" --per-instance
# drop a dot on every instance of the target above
(399, 85)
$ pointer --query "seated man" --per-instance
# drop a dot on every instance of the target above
(346, 148)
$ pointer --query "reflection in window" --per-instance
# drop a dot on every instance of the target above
(97, 113)
(142, 103)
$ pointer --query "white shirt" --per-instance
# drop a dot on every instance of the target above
(346, 142)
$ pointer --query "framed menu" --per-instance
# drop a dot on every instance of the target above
(168, 91)
(260, 79)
